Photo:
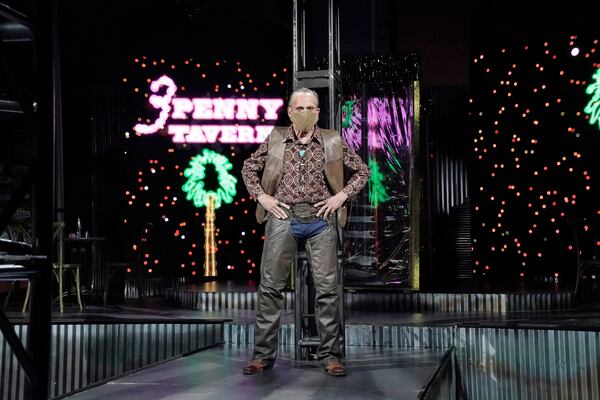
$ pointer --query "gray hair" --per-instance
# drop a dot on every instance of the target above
(303, 90)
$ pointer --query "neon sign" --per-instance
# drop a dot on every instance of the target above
(196, 172)
(377, 190)
(593, 106)
(181, 109)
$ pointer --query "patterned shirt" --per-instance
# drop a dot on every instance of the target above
(303, 179)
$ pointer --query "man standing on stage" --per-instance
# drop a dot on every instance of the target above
(302, 192)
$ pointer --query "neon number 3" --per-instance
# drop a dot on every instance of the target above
(162, 103)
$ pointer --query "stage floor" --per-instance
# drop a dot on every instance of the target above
(216, 373)
(585, 317)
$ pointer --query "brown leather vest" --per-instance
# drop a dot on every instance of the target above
(334, 167)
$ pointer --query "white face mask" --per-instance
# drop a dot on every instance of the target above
(305, 120)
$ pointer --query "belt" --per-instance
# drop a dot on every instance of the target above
(302, 212)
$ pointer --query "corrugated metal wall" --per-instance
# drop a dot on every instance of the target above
(529, 363)
(448, 153)
(456, 302)
(385, 301)
(210, 301)
(449, 146)
(391, 336)
(86, 354)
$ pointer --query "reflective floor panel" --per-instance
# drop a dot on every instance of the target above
(216, 373)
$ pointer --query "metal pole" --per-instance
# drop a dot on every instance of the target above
(58, 165)
(295, 45)
(331, 66)
(38, 336)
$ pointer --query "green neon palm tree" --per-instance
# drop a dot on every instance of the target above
(195, 190)
(196, 173)
(377, 191)
(593, 106)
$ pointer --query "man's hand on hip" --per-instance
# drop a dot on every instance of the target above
(272, 205)
(331, 204)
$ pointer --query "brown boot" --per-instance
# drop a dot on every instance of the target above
(256, 367)
(335, 368)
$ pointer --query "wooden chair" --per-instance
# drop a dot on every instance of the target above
(59, 268)
(133, 266)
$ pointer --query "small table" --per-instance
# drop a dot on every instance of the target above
(92, 264)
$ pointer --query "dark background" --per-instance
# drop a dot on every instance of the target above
(100, 39)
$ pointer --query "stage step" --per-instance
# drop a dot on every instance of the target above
(389, 336)
(86, 354)
(215, 301)
(384, 300)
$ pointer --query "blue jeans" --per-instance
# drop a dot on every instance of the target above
(303, 231)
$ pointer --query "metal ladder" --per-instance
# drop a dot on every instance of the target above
(307, 337)
(305, 324)
(328, 78)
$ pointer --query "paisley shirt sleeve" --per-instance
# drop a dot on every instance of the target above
(362, 172)
(252, 166)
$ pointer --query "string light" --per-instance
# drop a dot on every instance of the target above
(539, 104)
